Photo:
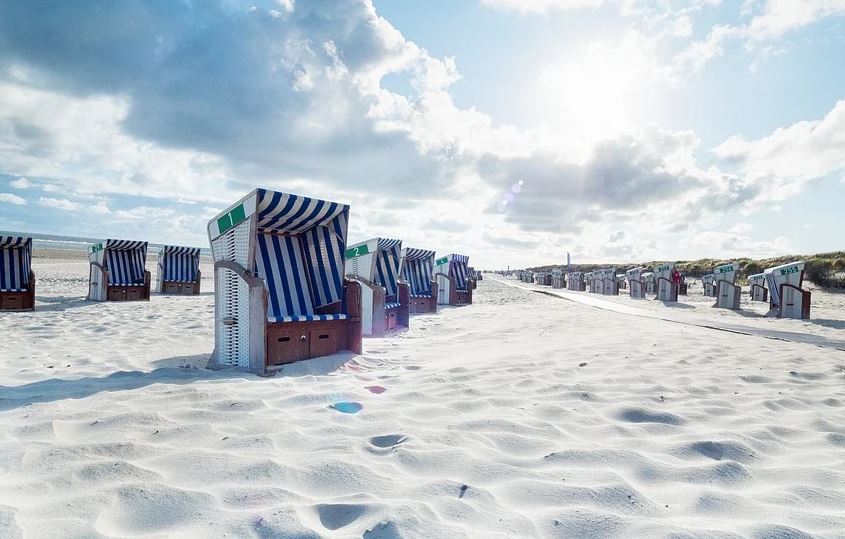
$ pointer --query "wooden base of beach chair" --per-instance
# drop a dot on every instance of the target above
(427, 304)
(19, 301)
(287, 342)
(759, 293)
(174, 288)
(385, 320)
(140, 292)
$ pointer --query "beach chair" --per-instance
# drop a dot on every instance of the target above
(118, 271)
(178, 271)
(709, 286)
(473, 277)
(385, 301)
(606, 281)
(17, 280)
(727, 292)
(786, 297)
(279, 291)
(418, 271)
(453, 281)
(666, 290)
(557, 279)
(575, 281)
(758, 287)
(636, 286)
(649, 283)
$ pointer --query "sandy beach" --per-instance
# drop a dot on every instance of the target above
(522, 415)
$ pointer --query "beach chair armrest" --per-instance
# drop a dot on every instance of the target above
(251, 280)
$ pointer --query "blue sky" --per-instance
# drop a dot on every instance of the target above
(510, 130)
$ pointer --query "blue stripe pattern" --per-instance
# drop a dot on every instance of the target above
(458, 270)
(395, 305)
(387, 265)
(15, 260)
(317, 243)
(279, 262)
(180, 264)
(125, 262)
(417, 271)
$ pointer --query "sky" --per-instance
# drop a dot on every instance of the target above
(512, 131)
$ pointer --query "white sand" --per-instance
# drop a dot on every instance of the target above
(561, 419)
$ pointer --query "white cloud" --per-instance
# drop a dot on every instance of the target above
(21, 183)
(9, 198)
(781, 164)
(779, 17)
(59, 204)
(541, 6)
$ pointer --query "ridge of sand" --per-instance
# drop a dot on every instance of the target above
(518, 416)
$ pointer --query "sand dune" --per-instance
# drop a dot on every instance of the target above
(522, 415)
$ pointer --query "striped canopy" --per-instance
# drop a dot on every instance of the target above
(301, 252)
(387, 265)
(458, 270)
(180, 264)
(15, 260)
(125, 261)
(418, 269)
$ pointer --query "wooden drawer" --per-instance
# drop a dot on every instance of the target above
(324, 342)
(285, 346)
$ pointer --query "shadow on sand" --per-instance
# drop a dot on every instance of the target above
(178, 370)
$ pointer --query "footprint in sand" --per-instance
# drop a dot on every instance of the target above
(388, 440)
(378, 390)
(347, 407)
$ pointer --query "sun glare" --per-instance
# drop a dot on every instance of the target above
(597, 94)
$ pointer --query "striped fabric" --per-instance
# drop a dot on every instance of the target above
(15, 260)
(180, 264)
(387, 265)
(125, 262)
(279, 262)
(417, 271)
(458, 270)
(315, 232)
(394, 305)
(306, 317)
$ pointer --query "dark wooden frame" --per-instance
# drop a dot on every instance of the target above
(457, 297)
(763, 288)
(805, 301)
(20, 301)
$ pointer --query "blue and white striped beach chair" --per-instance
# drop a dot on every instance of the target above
(418, 272)
(280, 293)
(178, 270)
(17, 280)
(787, 298)
(385, 300)
(454, 284)
(118, 271)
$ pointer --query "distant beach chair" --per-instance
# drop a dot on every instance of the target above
(606, 281)
(17, 280)
(178, 271)
(575, 281)
(727, 292)
(758, 287)
(558, 280)
(279, 291)
(590, 281)
(786, 297)
(418, 272)
(621, 283)
(473, 277)
(118, 271)
(539, 277)
(709, 286)
(454, 286)
(636, 286)
(649, 282)
(385, 301)
(666, 290)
